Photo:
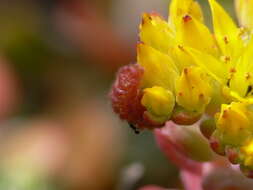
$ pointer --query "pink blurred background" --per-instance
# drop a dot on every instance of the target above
(58, 59)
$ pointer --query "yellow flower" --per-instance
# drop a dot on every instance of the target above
(186, 66)
(186, 58)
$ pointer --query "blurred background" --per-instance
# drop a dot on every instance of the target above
(58, 59)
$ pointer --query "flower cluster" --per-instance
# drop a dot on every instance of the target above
(184, 71)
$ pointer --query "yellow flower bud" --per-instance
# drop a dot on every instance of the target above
(234, 123)
(159, 103)
(193, 91)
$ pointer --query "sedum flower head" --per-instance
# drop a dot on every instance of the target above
(182, 65)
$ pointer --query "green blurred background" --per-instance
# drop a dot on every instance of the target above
(58, 59)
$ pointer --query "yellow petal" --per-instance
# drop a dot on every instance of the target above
(181, 59)
(239, 81)
(226, 32)
(210, 64)
(246, 64)
(195, 34)
(193, 91)
(155, 32)
(159, 103)
(244, 10)
(159, 68)
(242, 79)
(178, 8)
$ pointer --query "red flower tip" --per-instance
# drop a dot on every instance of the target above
(126, 97)
(216, 146)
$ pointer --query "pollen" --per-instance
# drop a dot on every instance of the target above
(225, 114)
(187, 18)
(186, 71)
(226, 40)
(248, 76)
(226, 59)
(201, 95)
(232, 70)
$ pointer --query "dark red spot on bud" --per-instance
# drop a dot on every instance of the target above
(226, 40)
(225, 114)
(185, 71)
(201, 96)
(216, 146)
(142, 21)
(232, 155)
(187, 18)
(227, 58)
(248, 76)
(232, 70)
(181, 47)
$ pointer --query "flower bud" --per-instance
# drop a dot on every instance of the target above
(159, 103)
(193, 91)
(187, 140)
(234, 123)
(193, 143)
(173, 150)
(126, 97)
(234, 135)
